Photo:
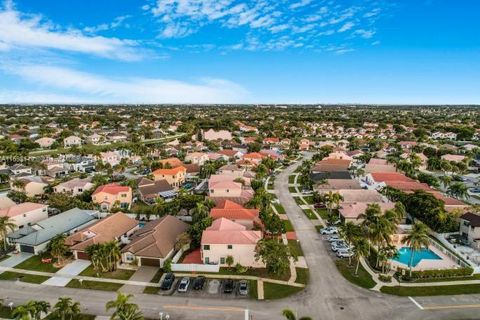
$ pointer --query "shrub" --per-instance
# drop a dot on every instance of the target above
(432, 274)
(385, 278)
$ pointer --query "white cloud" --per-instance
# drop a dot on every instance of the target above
(366, 34)
(299, 4)
(21, 31)
(129, 90)
(347, 26)
(18, 96)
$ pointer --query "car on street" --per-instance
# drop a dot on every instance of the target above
(319, 206)
(334, 238)
(167, 281)
(199, 283)
(243, 288)
(475, 190)
(329, 230)
(344, 253)
(339, 246)
(184, 283)
(228, 286)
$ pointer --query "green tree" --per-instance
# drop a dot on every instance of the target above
(290, 315)
(58, 248)
(66, 309)
(416, 240)
(6, 226)
(123, 309)
(361, 249)
(275, 255)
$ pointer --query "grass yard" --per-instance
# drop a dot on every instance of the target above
(279, 208)
(309, 199)
(278, 291)
(303, 274)
(299, 201)
(291, 179)
(432, 291)
(252, 289)
(5, 257)
(256, 272)
(94, 285)
(119, 274)
(287, 225)
(323, 213)
(309, 213)
(155, 279)
(363, 279)
(292, 189)
(35, 263)
(5, 312)
(79, 317)
(295, 247)
(30, 278)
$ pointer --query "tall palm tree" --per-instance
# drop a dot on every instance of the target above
(123, 308)
(6, 226)
(58, 248)
(66, 309)
(458, 190)
(290, 315)
(22, 312)
(416, 240)
(333, 200)
(361, 249)
(37, 308)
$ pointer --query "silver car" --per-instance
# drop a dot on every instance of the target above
(184, 283)
(243, 288)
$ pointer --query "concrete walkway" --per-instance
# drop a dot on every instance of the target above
(260, 291)
(143, 274)
(14, 259)
(74, 268)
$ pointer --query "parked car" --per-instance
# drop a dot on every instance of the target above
(475, 190)
(184, 283)
(228, 286)
(334, 238)
(243, 288)
(329, 230)
(167, 281)
(319, 206)
(338, 246)
(344, 253)
(199, 283)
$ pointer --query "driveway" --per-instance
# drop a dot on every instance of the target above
(143, 274)
(72, 269)
(14, 259)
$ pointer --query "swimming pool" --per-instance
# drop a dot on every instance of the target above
(404, 255)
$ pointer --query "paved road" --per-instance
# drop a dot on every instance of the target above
(328, 295)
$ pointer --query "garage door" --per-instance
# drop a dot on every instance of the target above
(150, 262)
(28, 249)
(82, 255)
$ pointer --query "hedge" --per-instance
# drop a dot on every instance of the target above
(433, 274)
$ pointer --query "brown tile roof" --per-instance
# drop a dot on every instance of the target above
(332, 165)
(157, 238)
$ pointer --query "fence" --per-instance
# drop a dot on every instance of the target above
(447, 248)
(178, 267)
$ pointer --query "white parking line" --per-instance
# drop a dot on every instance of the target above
(416, 303)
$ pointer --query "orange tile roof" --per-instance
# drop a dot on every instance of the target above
(112, 188)
(169, 172)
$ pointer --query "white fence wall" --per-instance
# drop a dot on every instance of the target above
(178, 267)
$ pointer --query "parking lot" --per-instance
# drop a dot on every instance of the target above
(213, 288)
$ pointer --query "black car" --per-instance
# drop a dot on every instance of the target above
(199, 283)
(228, 286)
(167, 281)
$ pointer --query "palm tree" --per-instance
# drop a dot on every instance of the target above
(458, 190)
(199, 212)
(386, 253)
(22, 312)
(290, 315)
(416, 240)
(361, 249)
(6, 226)
(445, 180)
(66, 309)
(37, 308)
(58, 248)
(124, 310)
(333, 200)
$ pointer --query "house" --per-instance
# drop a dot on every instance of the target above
(175, 176)
(149, 190)
(197, 158)
(304, 145)
(253, 157)
(74, 186)
(111, 157)
(453, 157)
(336, 184)
(230, 153)
(332, 165)
(116, 227)
(81, 164)
(155, 242)
(170, 163)
(6, 202)
(271, 140)
(224, 187)
(212, 135)
(18, 168)
(350, 212)
(379, 165)
(72, 141)
(25, 214)
(34, 239)
(94, 139)
(226, 238)
(31, 185)
(112, 194)
(470, 228)
(45, 142)
(237, 213)
(339, 155)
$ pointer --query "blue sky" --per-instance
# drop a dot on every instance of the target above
(230, 51)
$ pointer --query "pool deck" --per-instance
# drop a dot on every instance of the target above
(429, 264)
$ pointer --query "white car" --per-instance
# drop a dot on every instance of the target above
(344, 253)
(184, 283)
(334, 238)
(329, 230)
(339, 246)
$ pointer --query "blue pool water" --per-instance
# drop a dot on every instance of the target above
(405, 252)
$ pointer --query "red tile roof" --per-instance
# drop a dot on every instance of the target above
(390, 176)
(112, 188)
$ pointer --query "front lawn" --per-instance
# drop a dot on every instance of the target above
(156, 279)
(30, 278)
(35, 263)
(291, 179)
(295, 247)
(279, 208)
(5, 257)
(120, 274)
(287, 225)
(256, 272)
(303, 274)
(309, 213)
(292, 189)
(299, 201)
(308, 199)
(278, 291)
(363, 279)
(5, 312)
(94, 285)
(432, 291)
(323, 213)
(252, 289)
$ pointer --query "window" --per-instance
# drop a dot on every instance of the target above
(123, 195)
(206, 247)
(229, 246)
(228, 190)
(222, 260)
(207, 260)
